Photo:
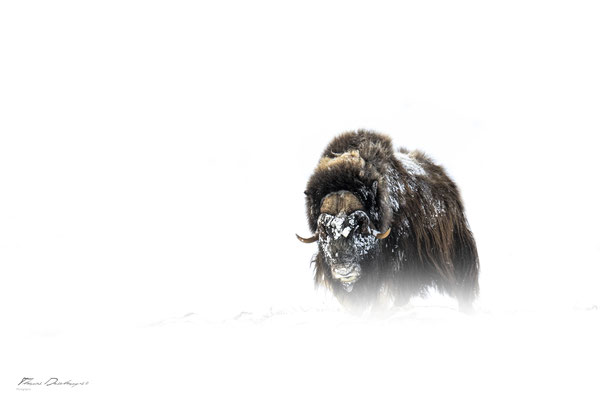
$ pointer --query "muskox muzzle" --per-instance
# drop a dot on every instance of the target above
(345, 241)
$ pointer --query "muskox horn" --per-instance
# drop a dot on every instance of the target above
(384, 234)
(311, 239)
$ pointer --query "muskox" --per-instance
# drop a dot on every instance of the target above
(389, 226)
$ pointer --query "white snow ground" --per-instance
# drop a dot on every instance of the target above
(419, 352)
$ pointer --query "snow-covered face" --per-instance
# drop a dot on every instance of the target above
(346, 240)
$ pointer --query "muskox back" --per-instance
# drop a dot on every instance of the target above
(397, 220)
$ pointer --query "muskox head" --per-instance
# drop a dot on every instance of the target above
(347, 237)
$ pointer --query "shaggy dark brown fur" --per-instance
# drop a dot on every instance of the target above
(430, 244)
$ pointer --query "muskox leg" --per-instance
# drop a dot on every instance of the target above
(467, 290)
(466, 267)
(465, 304)
(401, 300)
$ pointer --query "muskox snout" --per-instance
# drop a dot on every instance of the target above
(341, 248)
(346, 274)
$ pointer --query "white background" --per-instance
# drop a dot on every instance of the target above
(153, 155)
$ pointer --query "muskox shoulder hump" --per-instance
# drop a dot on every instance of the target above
(371, 146)
(413, 162)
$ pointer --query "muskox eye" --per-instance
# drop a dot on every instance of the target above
(363, 222)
